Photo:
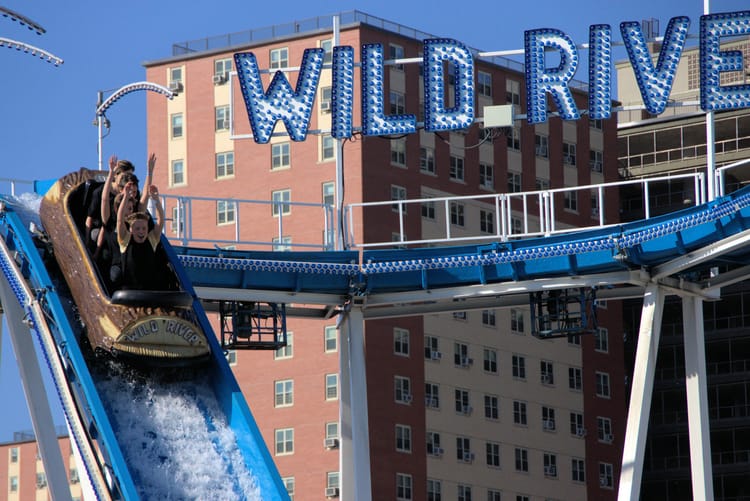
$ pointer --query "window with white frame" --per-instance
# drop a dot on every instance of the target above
(519, 366)
(519, 412)
(433, 443)
(177, 224)
(401, 342)
(289, 486)
(396, 52)
(570, 200)
(487, 176)
(175, 75)
(464, 492)
(403, 438)
(486, 221)
(457, 213)
(541, 145)
(224, 164)
(604, 429)
(325, 99)
(491, 407)
(456, 171)
(602, 384)
(327, 46)
(460, 353)
(332, 479)
(398, 152)
(222, 118)
(427, 160)
(514, 139)
(286, 351)
(402, 389)
(548, 418)
(569, 153)
(281, 205)
(595, 208)
(575, 378)
(432, 348)
(513, 92)
(282, 244)
(494, 495)
(13, 483)
(13, 454)
(329, 193)
(463, 405)
(279, 58)
(550, 464)
(176, 121)
(492, 450)
(403, 487)
(397, 102)
(327, 148)
(522, 459)
(280, 155)
(489, 318)
(428, 210)
(595, 123)
(284, 441)
(514, 182)
(222, 68)
(490, 360)
(541, 184)
(332, 386)
(284, 393)
(178, 176)
(516, 320)
(41, 480)
(463, 448)
(330, 339)
(606, 475)
(432, 395)
(547, 372)
(578, 470)
(398, 193)
(596, 160)
(332, 429)
(434, 490)
(576, 424)
(225, 212)
(484, 84)
(601, 339)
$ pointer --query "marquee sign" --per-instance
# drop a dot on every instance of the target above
(293, 106)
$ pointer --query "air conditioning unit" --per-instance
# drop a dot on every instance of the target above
(325, 105)
(175, 86)
(550, 471)
(468, 457)
(406, 398)
(548, 424)
(466, 409)
(546, 379)
(581, 432)
(603, 482)
(609, 438)
(596, 166)
(331, 443)
(436, 355)
(568, 159)
(431, 401)
(541, 151)
(332, 492)
(436, 451)
(466, 361)
(220, 78)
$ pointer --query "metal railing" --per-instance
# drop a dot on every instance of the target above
(504, 208)
(7, 183)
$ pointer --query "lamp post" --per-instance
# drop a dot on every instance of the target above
(101, 120)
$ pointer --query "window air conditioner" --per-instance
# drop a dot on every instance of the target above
(406, 398)
(332, 492)
(466, 409)
(175, 86)
(609, 438)
(468, 457)
(331, 443)
(436, 355)
(466, 361)
(220, 78)
(603, 481)
(548, 424)
(550, 470)
(581, 432)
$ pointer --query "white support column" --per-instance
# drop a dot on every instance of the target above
(36, 395)
(354, 457)
(697, 399)
(640, 396)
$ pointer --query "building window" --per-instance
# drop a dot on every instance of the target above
(550, 465)
(328, 149)
(41, 480)
(514, 139)
(284, 393)
(224, 164)
(490, 360)
(569, 154)
(433, 444)
(606, 475)
(519, 412)
(456, 168)
(514, 182)
(464, 492)
(178, 173)
(541, 184)
(403, 438)
(460, 315)
(595, 123)
(398, 193)
(522, 459)
(332, 479)
(487, 176)
(398, 152)
(330, 339)
(434, 490)
(332, 429)
(594, 197)
(484, 83)
(329, 193)
(176, 121)
(575, 379)
(547, 372)
(222, 118)
(601, 340)
(279, 58)
(602, 385)
(281, 205)
(461, 354)
(398, 103)
(289, 486)
(177, 224)
(427, 160)
(491, 407)
(457, 213)
(486, 223)
(462, 401)
(285, 351)
(396, 52)
(519, 367)
(596, 160)
(175, 76)
(13, 483)
(604, 429)
(14, 454)
(327, 46)
(401, 342)
(493, 495)
(575, 339)
(280, 155)
(402, 389)
(493, 454)
(576, 424)
(403, 487)
(516, 320)
(548, 418)
(284, 441)
(325, 99)
(332, 386)
(541, 145)
(513, 92)
(225, 212)
(570, 200)
(578, 470)
(428, 210)
(431, 348)
(222, 68)
(463, 449)
(432, 395)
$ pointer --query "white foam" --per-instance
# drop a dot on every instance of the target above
(175, 439)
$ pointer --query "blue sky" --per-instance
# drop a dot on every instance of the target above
(46, 112)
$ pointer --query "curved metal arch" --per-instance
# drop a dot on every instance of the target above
(30, 49)
(132, 87)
